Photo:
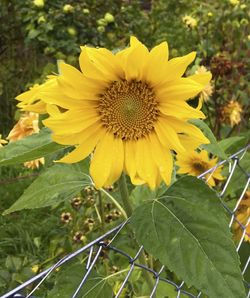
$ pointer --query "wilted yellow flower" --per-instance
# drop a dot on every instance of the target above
(2, 141)
(34, 164)
(243, 215)
(208, 89)
(39, 3)
(189, 21)
(31, 100)
(231, 113)
(26, 126)
(68, 8)
(129, 108)
(234, 2)
(195, 163)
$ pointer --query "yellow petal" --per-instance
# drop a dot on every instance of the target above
(156, 66)
(179, 89)
(180, 109)
(84, 149)
(167, 135)
(145, 165)
(100, 64)
(201, 78)
(101, 163)
(75, 121)
(117, 161)
(176, 67)
(162, 157)
(187, 128)
(129, 161)
(77, 138)
(135, 60)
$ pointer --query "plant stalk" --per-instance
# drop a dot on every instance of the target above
(129, 210)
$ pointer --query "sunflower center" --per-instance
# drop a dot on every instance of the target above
(128, 109)
(200, 167)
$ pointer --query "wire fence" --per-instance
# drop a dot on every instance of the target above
(106, 243)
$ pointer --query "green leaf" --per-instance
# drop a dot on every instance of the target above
(69, 279)
(29, 148)
(213, 147)
(239, 178)
(187, 230)
(231, 145)
(58, 183)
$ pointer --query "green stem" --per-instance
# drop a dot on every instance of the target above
(129, 210)
(125, 195)
(101, 210)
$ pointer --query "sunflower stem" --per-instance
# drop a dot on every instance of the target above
(129, 210)
(125, 195)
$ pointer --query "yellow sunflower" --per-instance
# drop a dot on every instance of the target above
(26, 126)
(195, 163)
(242, 216)
(129, 108)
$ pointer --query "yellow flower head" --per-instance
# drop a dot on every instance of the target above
(27, 125)
(129, 108)
(68, 8)
(242, 216)
(231, 113)
(195, 163)
(208, 89)
(34, 164)
(39, 3)
(189, 21)
(2, 141)
(234, 2)
(31, 99)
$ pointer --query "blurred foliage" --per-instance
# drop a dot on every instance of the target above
(34, 34)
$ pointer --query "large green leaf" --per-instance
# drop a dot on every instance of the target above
(69, 279)
(213, 147)
(29, 148)
(56, 184)
(187, 230)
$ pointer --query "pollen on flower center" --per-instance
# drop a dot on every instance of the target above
(128, 109)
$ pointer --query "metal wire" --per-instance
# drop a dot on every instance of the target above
(104, 242)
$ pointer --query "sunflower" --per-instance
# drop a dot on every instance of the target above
(129, 108)
(242, 216)
(195, 163)
(26, 126)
